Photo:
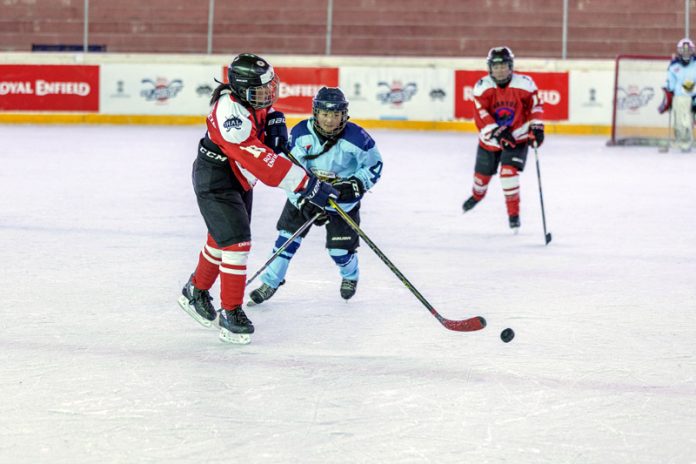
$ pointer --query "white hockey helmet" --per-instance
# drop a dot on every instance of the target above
(685, 50)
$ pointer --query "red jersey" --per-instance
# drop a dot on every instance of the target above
(516, 105)
(240, 135)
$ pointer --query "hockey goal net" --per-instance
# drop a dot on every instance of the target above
(638, 83)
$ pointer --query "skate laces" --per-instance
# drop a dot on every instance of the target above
(267, 291)
(203, 296)
(241, 316)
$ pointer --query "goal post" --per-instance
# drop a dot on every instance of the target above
(638, 82)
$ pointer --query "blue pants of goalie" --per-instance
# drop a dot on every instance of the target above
(341, 243)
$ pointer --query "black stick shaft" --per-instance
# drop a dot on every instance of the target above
(284, 246)
(547, 236)
(466, 325)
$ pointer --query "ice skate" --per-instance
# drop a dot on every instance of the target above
(197, 304)
(235, 327)
(348, 288)
(514, 222)
(261, 294)
(469, 204)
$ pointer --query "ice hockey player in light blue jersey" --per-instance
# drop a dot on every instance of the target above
(681, 75)
(339, 152)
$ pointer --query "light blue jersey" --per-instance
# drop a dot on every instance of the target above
(354, 155)
(681, 79)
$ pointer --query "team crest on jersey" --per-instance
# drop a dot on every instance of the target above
(633, 98)
(504, 115)
(233, 122)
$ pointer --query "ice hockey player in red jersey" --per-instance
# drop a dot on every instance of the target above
(508, 116)
(244, 136)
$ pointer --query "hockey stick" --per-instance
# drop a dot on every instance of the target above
(547, 235)
(464, 325)
(282, 248)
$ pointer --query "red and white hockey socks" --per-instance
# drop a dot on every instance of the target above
(480, 186)
(230, 263)
(209, 261)
(510, 181)
(233, 274)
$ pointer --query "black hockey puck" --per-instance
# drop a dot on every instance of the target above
(507, 335)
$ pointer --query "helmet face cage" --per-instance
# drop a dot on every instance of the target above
(500, 55)
(253, 80)
(262, 96)
(685, 50)
(332, 100)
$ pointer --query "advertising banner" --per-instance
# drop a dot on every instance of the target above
(420, 94)
(591, 97)
(299, 85)
(553, 91)
(167, 89)
(49, 87)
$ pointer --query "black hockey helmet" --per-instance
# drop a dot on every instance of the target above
(253, 80)
(500, 55)
(685, 50)
(330, 99)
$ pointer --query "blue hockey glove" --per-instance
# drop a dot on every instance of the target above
(318, 193)
(276, 131)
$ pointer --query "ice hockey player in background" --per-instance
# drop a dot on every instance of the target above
(680, 92)
(243, 133)
(508, 115)
(339, 152)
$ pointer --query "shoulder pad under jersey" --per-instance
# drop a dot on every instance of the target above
(357, 136)
(483, 84)
(520, 81)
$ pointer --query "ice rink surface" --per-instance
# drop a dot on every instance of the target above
(99, 230)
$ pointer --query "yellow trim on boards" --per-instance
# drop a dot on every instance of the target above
(172, 120)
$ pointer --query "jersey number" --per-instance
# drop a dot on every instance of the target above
(376, 170)
(256, 151)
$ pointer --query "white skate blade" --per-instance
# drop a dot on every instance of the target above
(184, 304)
(236, 339)
(515, 230)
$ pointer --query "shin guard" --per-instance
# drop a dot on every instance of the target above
(510, 181)
(208, 268)
(233, 274)
(480, 188)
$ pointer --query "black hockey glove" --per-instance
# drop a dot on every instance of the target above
(349, 190)
(536, 134)
(309, 210)
(504, 137)
(276, 131)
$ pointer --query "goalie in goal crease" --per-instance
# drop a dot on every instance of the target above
(680, 95)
